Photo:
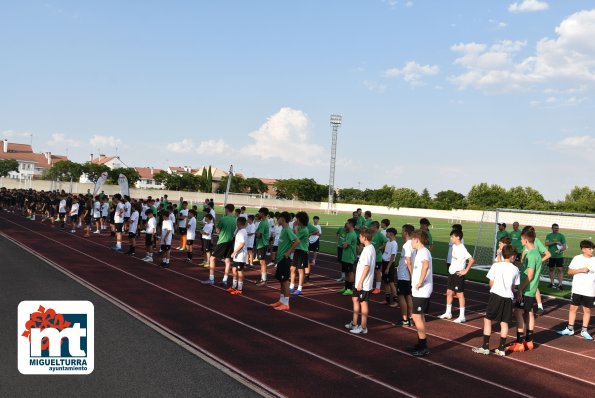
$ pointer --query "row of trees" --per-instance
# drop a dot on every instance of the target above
(65, 170)
(8, 165)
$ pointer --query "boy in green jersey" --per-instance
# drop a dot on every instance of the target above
(262, 241)
(341, 232)
(368, 219)
(348, 257)
(525, 297)
(424, 225)
(556, 244)
(300, 259)
(288, 242)
(515, 240)
(545, 256)
(226, 227)
(379, 242)
(502, 232)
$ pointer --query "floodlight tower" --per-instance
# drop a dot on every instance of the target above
(335, 124)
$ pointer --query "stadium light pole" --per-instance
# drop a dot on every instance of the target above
(335, 124)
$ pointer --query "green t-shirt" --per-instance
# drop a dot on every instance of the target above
(348, 255)
(515, 238)
(378, 240)
(359, 223)
(341, 232)
(557, 238)
(532, 260)
(502, 234)
(303, 233)
(263, 230)
(286, 239)
(430, 239)
(538, 245)
(227, 226)
(368, 223)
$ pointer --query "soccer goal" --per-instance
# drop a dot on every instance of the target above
(574, 226)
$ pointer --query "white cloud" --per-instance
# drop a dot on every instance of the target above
(375, 86)
(498, 24)
(59, 139)
(528, 6)
(104, 141)
(286, 136)
(184, 146)
(585, 144)
(14, 134)
(413, 72)
(213, 147)
(558, 102)
(567, 59)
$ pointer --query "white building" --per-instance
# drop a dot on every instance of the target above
(31, 165)
(113, 162)
(147, 180)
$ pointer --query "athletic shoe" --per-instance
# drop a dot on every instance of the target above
(402, 322)
(499, 352)
(282, 307)
(420, 352)
(540, 311)
(341, 279)
(585, 335)
(359, 330)
(529, 345)
(560, 287)
(230, 289)
(307, 278)
(116, 248)
(72, 231)
(261, 283)
(270, 264)
(188, 260)
(291, 290)
(223, 283)
(206, 265)
(350, 326)
(566, 332)
(278, 303)
(237, 292)
(208, 282)
(481, 350)
(551, 286)
(516, 347)
(297, 293)
(460, 320)
(347, 292)
(376, 291)
(342, 290)
(393, 305)
(178, 248)
(446, 315)
(148, 259)
(131, 253)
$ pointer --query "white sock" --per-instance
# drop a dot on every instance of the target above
(234, 284)
(240, 285)
(291, 285)
(300, 288)
(462, 312)
(225, 278)
(119, 245)
(211, 277)
(540, 306)
(378, 285)
(281, 298)
(285, 300)
(449, 308)
(343, 275)
(263, 276)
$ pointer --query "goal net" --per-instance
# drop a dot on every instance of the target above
(574, 226)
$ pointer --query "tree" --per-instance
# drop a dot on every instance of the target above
(254, 185)
(382, 196)
(351, 195)
(130, 173)
(525, 198)
(64, 170)
(93, 170)
(579, 199)
(302, 189)
(209, 183)
(405, 197)
(8, 165)
(235, 186)
(484, 196)
(447, 200)
(425, 200)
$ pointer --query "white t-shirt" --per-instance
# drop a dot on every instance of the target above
(191, 231)
(425, 291)
(271, 222)
(104, 209)
(62, 206)
(127, 209)
(172, 218)
(458, 262)
(314, 238)
(167, 226)
(245, 215)
(390, 249)
(74, 209)
(119, 216)
(505, 276)
(449, 255)
(383, 232)
(241, 237)
(143, 213)
(133, 222)
(402, 270)
(96, 210)
(212, 212)
(583, 283)
(207, 230)
(276, 234)
(250, 231)
(182, 222)
(151, 227)
(366, 258)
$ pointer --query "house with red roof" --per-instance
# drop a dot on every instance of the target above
(147, 178)
(31, 164)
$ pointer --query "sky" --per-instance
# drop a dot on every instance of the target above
(436, 94)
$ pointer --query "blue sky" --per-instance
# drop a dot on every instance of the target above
(436, 94)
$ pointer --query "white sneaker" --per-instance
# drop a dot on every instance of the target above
(480, 350)
(460, 320)
(341, 279)
(270, 264)
(358, 330)
(350, 326)
(97, 232)
(446, 315)
(148, 259)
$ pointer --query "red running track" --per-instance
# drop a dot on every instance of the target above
(307, 350)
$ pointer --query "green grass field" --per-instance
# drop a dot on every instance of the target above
(440, 230)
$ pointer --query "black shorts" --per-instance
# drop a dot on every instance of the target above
(403, 288)
(456, 283)
(96, 219)
(499, 309)
(182, 231)
(88, 221)
(346, 267)
(189, 242)
(283, 272)
(362, 295)
(239, 266)
(207, 245)
(126, 219)
(165, 248)
(74, 218)
(132, 235)
(421, 305)
(390, 275)
(314, 247)
(149, 239)
(104, 218)
(339, 253)
(517, 258)
(300, 259)
(526, 304)
(119, 227)
(555, 262)
(223, 250)
(275, 249)
(261, 253)
(585, 301)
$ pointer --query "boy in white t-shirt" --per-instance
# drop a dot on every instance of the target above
(207, 239)
(503, 276)
(275, 233)
(150, 231)
(239, 257)
(190, 233)
(167, 230)
(404, 271)
(422, 286)
(251, 233)
(132, 228)
(97, 214)
(182, 221)
(461, 262)
(388, 267)
(74, 213)
(313, 246)
(118, 220)
(582, 269)
(363, 285)
(104, 213)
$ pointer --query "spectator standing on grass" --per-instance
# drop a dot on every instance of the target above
(515, 240)
(582, 269)
(422, 286)
(424, 225)
(502, 232)
(556, 244)
(364, 281)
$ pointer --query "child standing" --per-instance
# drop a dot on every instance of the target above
(251, 233)
(190, 233)
(207, 239)
(364, 281)
(132, 228)
(150, 231)
(239, 256)
(404, 271)
(421, 279)
(167, 230)
(348, 256)
(288, 241)
(388, 267)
